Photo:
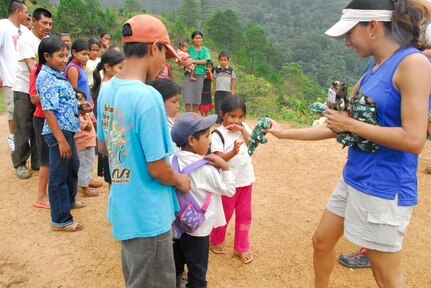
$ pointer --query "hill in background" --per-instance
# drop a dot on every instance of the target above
(297, 26)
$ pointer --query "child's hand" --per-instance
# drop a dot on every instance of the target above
(217, 161)
(234, 128)
(236, 146)
(65, 151)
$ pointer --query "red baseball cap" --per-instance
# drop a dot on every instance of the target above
(149, 29)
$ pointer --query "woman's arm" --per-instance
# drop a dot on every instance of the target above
(413, 80)
(307, 134)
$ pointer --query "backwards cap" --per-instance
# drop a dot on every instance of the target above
(149, 29)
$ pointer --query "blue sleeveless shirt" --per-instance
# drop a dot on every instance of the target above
(387, 172)
(83, 83)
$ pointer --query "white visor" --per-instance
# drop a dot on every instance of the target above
(351, 17)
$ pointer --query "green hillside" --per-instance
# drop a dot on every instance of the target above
(296, 26)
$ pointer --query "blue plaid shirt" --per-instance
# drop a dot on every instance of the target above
(57, 94)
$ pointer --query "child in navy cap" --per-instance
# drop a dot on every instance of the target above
(191, 133)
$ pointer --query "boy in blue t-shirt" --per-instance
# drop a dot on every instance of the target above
(133, 131)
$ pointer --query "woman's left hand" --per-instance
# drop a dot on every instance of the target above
(338, 121)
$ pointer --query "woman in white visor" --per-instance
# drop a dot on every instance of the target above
(373, 201)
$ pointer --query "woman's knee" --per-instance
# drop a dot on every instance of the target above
(321, 243)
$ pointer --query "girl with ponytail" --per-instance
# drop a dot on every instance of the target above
(373, 202)
(111, 63)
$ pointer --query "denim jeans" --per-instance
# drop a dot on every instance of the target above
(192, 251)
(148, 262)
(63, 180)
(25, 138)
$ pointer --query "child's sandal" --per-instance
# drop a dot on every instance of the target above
(245, 257)
(217, 248)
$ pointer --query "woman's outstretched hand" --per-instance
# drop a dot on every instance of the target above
(275, 129)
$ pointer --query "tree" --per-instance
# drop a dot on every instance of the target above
(224, 28)
(72, 17)
(189, 13)
(131, 8)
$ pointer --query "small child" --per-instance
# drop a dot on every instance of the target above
(191, 132)
(60, 107)
(224, 81)
(206, 102)
(75, 69)
(233, 149)
(170, 92)
(182, 52)
(110, 64)
(94, 58)
(85, 145)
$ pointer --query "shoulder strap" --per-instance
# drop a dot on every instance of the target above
(188, 169)
(219, 135)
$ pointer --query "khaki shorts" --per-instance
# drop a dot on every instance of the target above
(371, 222)
(429, 118)
(8, 99)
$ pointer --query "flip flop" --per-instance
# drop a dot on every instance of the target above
(217, 248)
(95, 184)
(245, 257)
(39, 204)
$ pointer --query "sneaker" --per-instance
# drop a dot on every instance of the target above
(11, 142)
(22, 172)
(358, 259)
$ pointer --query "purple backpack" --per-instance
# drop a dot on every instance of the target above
(190, 216)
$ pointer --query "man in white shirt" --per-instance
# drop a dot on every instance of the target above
(10, 31)
(27, 46)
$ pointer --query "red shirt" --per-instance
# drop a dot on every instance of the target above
(38, 112)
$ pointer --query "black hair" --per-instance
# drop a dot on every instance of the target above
(48, 45)
(13, 6)
(223, 53)
(113, 46)
(197, 33)
(195, 135)
(93, 41)
(166, 87)
(182, 43)
(110, 57)
(39, 12)
(136, 49)
(64, 34)
(79, 45)
(232, 103)
(406, 19)
(103, 34)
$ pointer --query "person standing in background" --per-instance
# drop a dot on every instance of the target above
(10, 31)
(25, 138)
(192, 90)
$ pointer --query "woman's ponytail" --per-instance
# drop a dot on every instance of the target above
(97, 81)
(406, 21)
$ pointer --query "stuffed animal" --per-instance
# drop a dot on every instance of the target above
(364, 109)
(257, 136)
(337, 96)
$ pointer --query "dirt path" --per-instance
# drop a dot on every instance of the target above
(294, 181)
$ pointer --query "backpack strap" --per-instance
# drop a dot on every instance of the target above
(188, 169)
(219, 135)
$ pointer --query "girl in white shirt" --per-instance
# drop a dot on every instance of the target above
(233, 149)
